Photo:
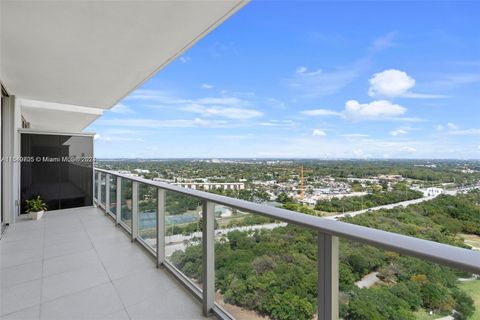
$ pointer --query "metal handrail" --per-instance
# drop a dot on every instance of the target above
(455, 257)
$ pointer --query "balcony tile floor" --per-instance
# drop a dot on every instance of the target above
(75, 264)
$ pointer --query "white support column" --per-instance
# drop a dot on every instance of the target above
(99, 188)
(107, 193)
(119, 201)
(9, 132)
(160, 227)
(208, 241)
(134, 218)
(327, 266)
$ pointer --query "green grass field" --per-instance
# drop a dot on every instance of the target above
(423, 315)
(472, 240)
(473, 289)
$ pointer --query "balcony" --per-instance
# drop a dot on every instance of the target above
(145, 250)
(74, 264)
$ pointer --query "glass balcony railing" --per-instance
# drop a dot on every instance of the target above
(126, 203)
(96, 188)
(103, 189)
(183, 235)
(249, 261)
(147, 214)
(112, 194)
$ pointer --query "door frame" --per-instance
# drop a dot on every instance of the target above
(3, 221)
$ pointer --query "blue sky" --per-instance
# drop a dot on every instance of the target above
(313, 79)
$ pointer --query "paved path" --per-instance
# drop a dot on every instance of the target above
(368, 280)
(387, 206)
(180, 241)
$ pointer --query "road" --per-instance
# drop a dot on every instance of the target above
(180, 241)
(386, 206)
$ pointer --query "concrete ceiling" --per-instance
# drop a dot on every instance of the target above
(57, 117)
(94, 53)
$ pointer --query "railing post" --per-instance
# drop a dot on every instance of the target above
(327, 267)
(134, 217)
(208, 242)
(99, 188)
(160, 227)
(107, 193)
(118, 216)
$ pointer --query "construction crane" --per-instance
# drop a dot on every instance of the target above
(302, 186)
(302, 183)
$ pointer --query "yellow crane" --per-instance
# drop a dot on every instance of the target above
(302, 186)
(302, 183)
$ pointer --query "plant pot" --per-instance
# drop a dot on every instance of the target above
(36, 215)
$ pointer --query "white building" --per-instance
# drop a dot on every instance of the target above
(433, 192)
(141, 171)
(212, 185)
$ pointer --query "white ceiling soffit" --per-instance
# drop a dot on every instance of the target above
(94, 53)
(57, 117)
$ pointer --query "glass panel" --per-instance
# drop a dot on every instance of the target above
(380, 284)
(40, 178)
(147, 214)
(126, 201)
(60, 171)
(183, 236)
(76, 170)
(264, 269)
(103, 186)
(113, 194)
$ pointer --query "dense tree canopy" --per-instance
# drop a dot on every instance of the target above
(274, 271)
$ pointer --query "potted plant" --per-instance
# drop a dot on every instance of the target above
(36, 207)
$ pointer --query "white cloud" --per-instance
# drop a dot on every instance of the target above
(355, 135)
(206, 86)
(122, 109)
(99, 137)
(439, 127)
(384, 42)
(235, 138)
(408, 149)
(317, 83)
(230, 101)
(398, 132)
(229, 107)
(320, 112)
(277, 123)
(318, 133)
(175, 123)
(390, 83)
(459, 79)
(301, 69)
(374, 110)
(393, 83)
(416, 95)
(276, 103)
(184, 59)
(223, 112)
(452, 126)
(466, 132)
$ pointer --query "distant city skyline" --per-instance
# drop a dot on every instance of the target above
(313, 80)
